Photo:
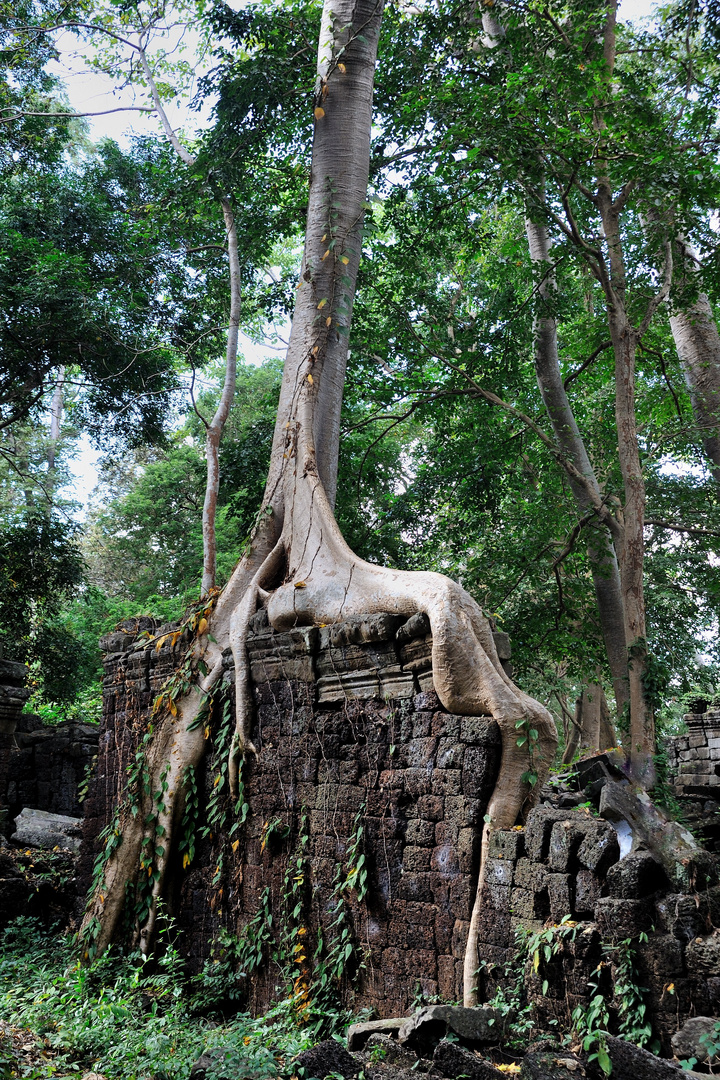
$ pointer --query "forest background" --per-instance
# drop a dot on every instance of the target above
(113, 274)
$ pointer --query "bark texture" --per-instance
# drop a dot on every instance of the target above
(298, 565)
(697, 341)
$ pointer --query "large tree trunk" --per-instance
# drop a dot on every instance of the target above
(632, 547)
(601, 552)
(631, 555)
(298, 566)
(697, 341)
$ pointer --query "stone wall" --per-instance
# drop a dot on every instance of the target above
(350, 733)
(41, 766)
(566, 862)
(694, 759)
(349, 730)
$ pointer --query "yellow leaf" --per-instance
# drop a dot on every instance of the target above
(319, 113)
(344, 260)
(173, 707)
(207, 732)
(313, 352)
(341, 67)
(325, 255)
(324, 237)
(328, 320)
(246, 1040)
(235, 845)
(217, 781)
(161, 641)
(202, 627)
(186, 861)
(300, 585)
(322, 303)
(310, 379)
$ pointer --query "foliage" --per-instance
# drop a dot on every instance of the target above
(126, 1018)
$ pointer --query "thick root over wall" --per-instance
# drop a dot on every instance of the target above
(307, 575)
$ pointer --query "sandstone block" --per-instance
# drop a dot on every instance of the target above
(635, 876)
(452, 1060)
(506, 844)
(358, 1034)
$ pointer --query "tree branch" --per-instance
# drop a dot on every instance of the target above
(695, 530)
(586, 364)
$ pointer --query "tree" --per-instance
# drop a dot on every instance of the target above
(298, 564)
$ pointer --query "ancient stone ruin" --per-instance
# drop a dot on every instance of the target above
(356, 754)
(364, 785)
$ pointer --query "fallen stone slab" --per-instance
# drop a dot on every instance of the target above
(550, 1065)
(672, 844)
(631, 1063)
(424, 1029)
(358, 1034)
(689, 1041)
(325, 1058)
(40, 829)
(452, 1060)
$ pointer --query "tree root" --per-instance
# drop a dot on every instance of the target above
(307, 575)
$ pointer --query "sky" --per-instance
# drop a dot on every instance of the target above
(90, 92)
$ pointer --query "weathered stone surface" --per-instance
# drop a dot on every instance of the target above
(417, 626)
(639, 874)
(703, 955)
(538, 828)
(454, 1061)
(325, 1058)
(618, 919)
(429, 1025)
(358, 1034)
(388, 1051)
(550, 1065)
(682, 916)
(359, 629)
(631, 1063)
(39, 829)
(690, 1040)
(600, 848)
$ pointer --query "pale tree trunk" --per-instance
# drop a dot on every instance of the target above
(214, 429)
(56, 411)
(601, 552)
(697, 341)
(591, 729)
(216, 426)
(298, 565)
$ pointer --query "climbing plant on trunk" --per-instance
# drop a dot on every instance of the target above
(297, 564)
